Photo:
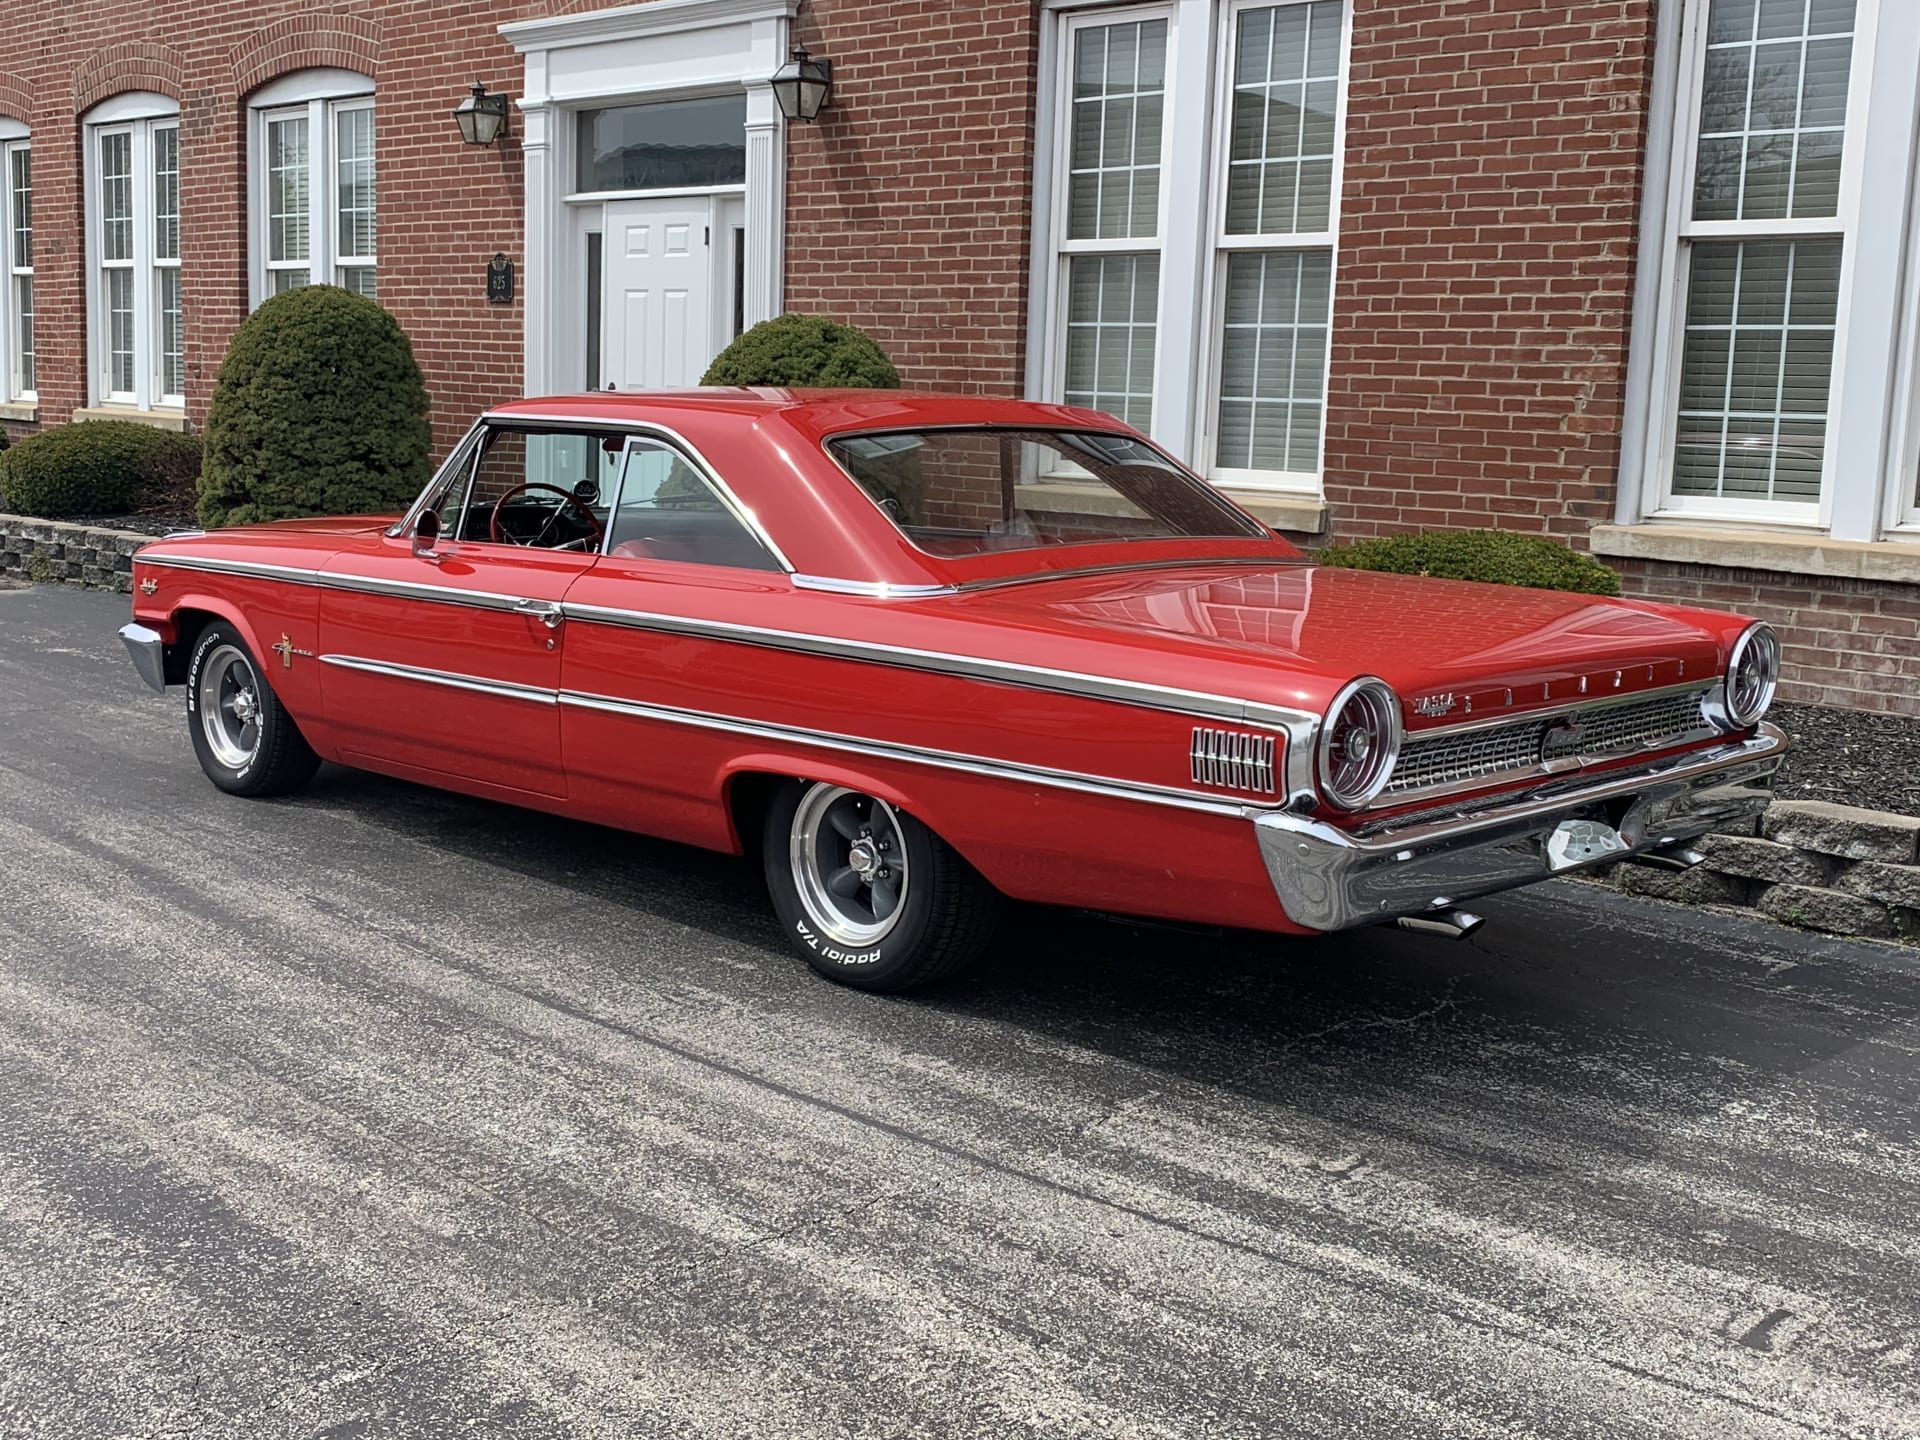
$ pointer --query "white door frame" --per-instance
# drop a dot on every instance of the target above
(649, 51)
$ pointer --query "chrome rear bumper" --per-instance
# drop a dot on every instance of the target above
(149, 654)
(1331, 879)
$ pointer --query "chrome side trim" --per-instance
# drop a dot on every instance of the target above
(1026, 677)
(912, 754)
(872, 589)
(329, 580)
(502, 688)
(148, 652)
(214, 565)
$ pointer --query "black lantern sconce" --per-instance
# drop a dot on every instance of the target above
(803, 86)
(482, 118)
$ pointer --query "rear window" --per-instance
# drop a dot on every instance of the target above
(981, 492)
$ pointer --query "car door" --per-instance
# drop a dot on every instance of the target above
(448, 662)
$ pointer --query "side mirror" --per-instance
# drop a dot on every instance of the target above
(426, 530)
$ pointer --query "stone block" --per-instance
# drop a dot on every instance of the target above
(1813, 908)
(1766, 860)
(1843, 831)
(1889, 884)
(1698, 886)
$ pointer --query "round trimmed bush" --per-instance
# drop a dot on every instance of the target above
(319, 410)
(804, 350)
(1492, 556)
(96, 467)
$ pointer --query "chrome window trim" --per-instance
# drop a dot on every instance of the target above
(691, 452)
(886, 590)
(450, 679)
(404, 526)
(870, 589)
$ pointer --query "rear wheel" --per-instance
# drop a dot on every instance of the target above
(869, 896)
(246, 741)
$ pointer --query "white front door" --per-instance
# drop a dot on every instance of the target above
(658, 324)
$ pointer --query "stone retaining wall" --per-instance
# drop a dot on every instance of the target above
(46, 551)
(1824, 867)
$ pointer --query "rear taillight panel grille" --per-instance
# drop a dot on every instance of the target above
(1233, 760)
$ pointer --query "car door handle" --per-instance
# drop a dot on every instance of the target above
(545, 611)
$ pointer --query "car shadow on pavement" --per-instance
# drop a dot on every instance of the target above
(1595, 994)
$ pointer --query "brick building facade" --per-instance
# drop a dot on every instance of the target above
(1369, 264)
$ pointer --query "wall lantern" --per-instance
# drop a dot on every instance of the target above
(482, 117)
(803, 86)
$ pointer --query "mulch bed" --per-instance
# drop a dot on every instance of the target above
(1850, 757)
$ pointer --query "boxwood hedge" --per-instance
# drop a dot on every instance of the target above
(1494, 556)
(804, 350)
(95, 467)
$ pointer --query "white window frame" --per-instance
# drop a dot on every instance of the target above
(137, 114)
(1061, 249)
(1221, 244)
(318, 97)
(1194, 132)
(15, 139)
(1657, 499)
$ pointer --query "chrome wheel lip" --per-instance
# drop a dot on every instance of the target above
(817, 851)
(229, 707)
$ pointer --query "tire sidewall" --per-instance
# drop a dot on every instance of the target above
(870, 967)
(244, 778)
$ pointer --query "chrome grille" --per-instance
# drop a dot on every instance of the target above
(1233, 760)
(1595, 732)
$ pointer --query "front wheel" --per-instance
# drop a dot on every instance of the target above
(244, 737)
(869, 896)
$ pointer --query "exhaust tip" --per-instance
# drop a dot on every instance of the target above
(1447, 924)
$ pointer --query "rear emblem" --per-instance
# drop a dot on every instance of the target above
(1434, 706)
(1561, 739)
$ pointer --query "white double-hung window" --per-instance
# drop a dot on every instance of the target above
(17, 383)
(1189, 199)
(312, 190)
(135, 313)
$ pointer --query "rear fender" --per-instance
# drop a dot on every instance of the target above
(830, 769)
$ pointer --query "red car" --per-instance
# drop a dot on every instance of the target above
(924, 653)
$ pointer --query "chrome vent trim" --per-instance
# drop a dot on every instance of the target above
(1549, 743)
(1233, 760)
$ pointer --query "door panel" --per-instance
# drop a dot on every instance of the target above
(659, 292)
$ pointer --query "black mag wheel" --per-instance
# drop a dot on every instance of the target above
(246, 741)
(868, 895)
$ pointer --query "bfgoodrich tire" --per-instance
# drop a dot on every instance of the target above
(868, 895)
(242, 734)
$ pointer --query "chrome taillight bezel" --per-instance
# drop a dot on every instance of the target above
(1743, 701)
(1340, 784)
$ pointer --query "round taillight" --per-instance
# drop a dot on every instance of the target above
(1359, 743)
(1753, 674)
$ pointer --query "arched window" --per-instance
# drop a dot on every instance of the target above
(16, 264)
(312, 183)
(134, 312)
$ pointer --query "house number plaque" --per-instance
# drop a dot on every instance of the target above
(500, 281)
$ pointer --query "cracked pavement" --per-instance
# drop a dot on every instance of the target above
(379, 1112)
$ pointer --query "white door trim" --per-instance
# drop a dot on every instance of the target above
(633, 52)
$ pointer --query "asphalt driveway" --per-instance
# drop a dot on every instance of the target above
(379, 1112)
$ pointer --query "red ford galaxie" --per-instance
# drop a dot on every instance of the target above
(923, 653)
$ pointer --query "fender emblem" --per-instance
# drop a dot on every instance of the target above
(149, 585)
(284, 649)
(1434, 706)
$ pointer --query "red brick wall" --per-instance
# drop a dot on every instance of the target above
(1482, 299)
(1854, 643)
(444, 208)
(908, 203)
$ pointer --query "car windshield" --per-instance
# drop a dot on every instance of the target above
(984, 491)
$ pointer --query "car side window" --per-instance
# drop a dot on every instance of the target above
(669, 511)
(549, 489)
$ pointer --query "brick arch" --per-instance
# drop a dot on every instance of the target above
(305, 42)
(15, 102)
(132, 65)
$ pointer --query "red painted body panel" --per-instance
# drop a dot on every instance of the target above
(617, 720)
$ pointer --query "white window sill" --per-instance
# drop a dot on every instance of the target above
(1727, 547)
(1296, 514)
(23, 412)
(159, 419)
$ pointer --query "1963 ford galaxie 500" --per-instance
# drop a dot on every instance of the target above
(922, 653)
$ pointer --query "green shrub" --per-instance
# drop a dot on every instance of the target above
(319, 410)
(1493, 556)
(804, 350)
(96, 467)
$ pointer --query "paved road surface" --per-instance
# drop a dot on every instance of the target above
(383, 1113)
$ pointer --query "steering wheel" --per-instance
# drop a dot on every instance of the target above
(502, 536)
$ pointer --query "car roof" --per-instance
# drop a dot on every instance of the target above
(816, 412)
